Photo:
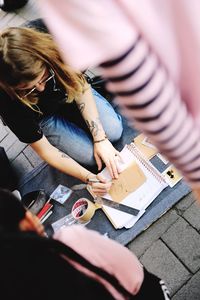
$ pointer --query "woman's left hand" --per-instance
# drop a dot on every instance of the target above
(105, 152)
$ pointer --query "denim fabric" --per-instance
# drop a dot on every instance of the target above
(68, 132)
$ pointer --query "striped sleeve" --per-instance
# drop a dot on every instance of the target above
(151, 102)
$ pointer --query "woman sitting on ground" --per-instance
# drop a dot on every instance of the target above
(50, 106)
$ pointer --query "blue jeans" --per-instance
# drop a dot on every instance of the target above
(76, 140)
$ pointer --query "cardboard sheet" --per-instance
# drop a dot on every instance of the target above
(129, 180)
(147, 150)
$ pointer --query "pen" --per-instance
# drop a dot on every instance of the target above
(46, 217)
(93, 180)
(33, 201)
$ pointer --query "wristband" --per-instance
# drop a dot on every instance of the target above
(86, 177)
(99, 141)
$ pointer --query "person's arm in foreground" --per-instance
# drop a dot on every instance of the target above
(67, 165)
(104, 253)
(145, 92)
(103, 149)
(152, 103)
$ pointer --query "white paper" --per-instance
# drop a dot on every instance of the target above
(139, 199)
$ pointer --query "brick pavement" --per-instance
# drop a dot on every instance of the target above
(170, 247)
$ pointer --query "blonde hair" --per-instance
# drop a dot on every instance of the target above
(24, 52)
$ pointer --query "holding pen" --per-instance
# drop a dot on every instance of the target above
(93, 180)
(100, 186)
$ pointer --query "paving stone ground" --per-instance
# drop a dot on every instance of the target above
(170, 247)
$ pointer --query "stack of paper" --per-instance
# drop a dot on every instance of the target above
(142, 194)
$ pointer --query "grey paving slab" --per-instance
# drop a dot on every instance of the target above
(159, 260)
(21, 165)
(15, 21)
(144, 240)
(184, 241)
(186, 202)
(15, 149)
(30, 11)
(192, 215)
(8, 141)
(7, 18)
(2, 13)
(12, 145)
(191, 290)
(32, 156)
(3, 131)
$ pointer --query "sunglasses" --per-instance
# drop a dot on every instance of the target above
(42, 81)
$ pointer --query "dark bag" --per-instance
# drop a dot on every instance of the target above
(10, 5)
(35, 200)
(7, 175)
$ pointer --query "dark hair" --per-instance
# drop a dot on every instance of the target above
(34, 267)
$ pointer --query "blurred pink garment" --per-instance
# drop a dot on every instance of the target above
(106, 254)
(158, 43)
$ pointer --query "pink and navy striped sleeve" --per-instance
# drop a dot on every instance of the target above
(147, 63)
(151, 102)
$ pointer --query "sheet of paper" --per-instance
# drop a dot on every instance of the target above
(144, 145)
(139, 199)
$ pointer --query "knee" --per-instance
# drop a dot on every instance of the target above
(84, 155)
(114, 129)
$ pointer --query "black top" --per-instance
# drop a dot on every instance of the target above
(22, 120)
(25, 122)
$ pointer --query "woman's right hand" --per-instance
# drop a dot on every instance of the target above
(99, 185)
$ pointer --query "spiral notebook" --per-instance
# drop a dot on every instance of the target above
(138, 185)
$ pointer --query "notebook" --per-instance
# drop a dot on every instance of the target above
(138, 185)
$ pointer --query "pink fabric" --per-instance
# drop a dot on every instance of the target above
(105, 253)
(91, 32)
(79, 17)
(172, 28)
(84, 28)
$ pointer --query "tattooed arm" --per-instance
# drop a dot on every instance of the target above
(67, 165)
(58, 159)
(103, 149)
(88, 109)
